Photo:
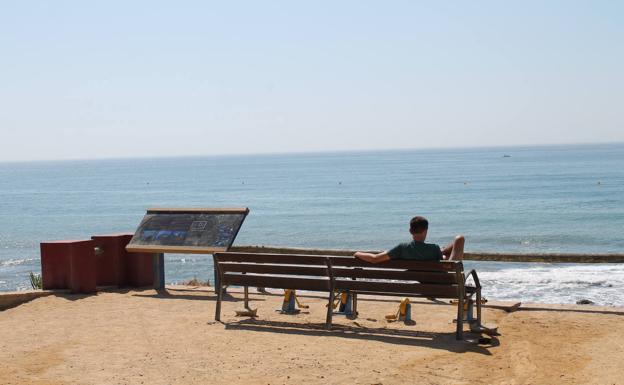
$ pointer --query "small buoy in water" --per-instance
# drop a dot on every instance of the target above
(340, 182)
(598, 182)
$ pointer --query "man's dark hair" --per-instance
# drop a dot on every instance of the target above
(418, 225)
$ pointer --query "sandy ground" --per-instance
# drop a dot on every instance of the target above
(142, 337)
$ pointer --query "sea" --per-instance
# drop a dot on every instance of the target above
(546, 199)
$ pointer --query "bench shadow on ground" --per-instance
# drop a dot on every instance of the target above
(443, 341)
(193, 295)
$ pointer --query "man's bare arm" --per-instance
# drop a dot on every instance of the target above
(372, 258)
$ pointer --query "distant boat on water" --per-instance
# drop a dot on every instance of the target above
(506, 156)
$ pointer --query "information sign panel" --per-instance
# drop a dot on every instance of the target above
(198, 231)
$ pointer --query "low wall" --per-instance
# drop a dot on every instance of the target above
(498, 257)
(14, 298)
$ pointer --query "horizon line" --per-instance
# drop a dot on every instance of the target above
(313, 152)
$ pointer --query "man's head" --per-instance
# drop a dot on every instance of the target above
(418, 228)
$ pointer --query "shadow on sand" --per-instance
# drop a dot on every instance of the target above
(207, 294)
(443, 341)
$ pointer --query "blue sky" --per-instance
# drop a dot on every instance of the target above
(147, 78)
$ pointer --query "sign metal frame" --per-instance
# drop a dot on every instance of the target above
(159, 250)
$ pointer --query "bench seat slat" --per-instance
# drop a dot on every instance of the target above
(276, 282)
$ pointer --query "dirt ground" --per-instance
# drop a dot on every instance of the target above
(145, 337)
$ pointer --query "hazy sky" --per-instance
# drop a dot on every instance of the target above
(87, 79)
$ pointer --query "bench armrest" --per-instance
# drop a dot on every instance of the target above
(473, 273)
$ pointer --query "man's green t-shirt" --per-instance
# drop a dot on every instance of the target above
(415, 250)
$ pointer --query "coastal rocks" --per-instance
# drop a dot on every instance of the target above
(584, 302)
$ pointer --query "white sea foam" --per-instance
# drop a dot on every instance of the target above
(603, 284)
(15, 262)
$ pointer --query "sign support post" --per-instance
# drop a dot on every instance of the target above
(158, 267)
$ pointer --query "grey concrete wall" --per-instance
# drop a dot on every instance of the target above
(500, 257)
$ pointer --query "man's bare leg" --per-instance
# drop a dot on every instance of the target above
(455, 251)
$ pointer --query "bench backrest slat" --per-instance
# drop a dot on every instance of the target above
(276, 282)
(273, 269)
(438, 291)
(289, 259)
(402, 275)
(397, 264)
(372, 273)
(337, 261)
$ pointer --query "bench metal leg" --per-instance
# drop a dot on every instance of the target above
(218, 287)
(459, 334)
(354, 299)
(330, 310)
(217, 278)
(218, 307)
(479, 306)
(246, 289)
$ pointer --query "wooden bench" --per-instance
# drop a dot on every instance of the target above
(326, 273)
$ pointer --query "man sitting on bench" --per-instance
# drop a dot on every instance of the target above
(417, 249)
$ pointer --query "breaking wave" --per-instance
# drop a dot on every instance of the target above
(601, 284)
(16, 262)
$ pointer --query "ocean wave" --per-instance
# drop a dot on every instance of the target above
(16, 262)
(556, 284)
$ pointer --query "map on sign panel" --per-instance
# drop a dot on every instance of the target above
(212, 228)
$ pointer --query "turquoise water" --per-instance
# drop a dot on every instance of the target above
(538, 199)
